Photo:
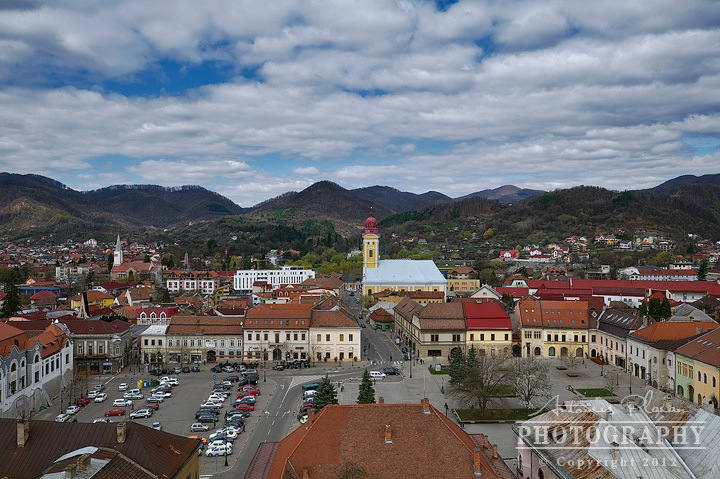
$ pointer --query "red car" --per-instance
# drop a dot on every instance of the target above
(245, 407)
(252, 392)
(153, 405)
(82, 402)
(115, 412)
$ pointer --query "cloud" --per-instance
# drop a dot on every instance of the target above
(486, 93)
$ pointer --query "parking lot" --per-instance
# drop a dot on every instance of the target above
(175, 413)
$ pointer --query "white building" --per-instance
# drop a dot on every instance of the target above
(244, 279)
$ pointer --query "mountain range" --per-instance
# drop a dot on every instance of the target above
(33, 205)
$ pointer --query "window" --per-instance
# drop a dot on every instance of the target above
(303, 336)
(537, 335)
(492, 337)
(249, 336)
(265, 336)
(327, 337)
(342, 337)
(434, 338)
(714, 382)
(319, 337)
(295, 337)
(257, 336)
(556, 338)
(704, 378)
(146, 342)
(287, 336)
(152, 342)
(699, 376)
(80, 348)
(222, 343)
(456, 338)
(232, 343)
(583, 338)
(549, 338)
(350, 338)
(482, 337)
(592, 338)
(506, 337)
(192, 342)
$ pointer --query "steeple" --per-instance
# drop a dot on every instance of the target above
(371, 243)
(118, 255)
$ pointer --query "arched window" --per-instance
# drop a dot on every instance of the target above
(705, 378)
(13, 368)
(714, 382)
(152, 315)
(551, 351)
(143, 315)
(37, 359)
(699, 376)
(162, 315)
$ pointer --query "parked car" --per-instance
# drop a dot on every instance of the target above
(198, 426)
(155, 399)
(245, 400)
(99, 387)
(101, 419)
(220, 437)
(305, 408)
(115, 412)
(195, 369)
(177, 370)
(92, 394)
(170, 380)
(207, 418)
(123, 387)
(211, 405)
(82, 402)
(144, 412)
(216, 369)
(251, 391)
(100, 397)
(302, 417)
(157, 426)
(122, 402)
(391, 370)
(377, 375)
(232, 379)
(162, 393)
(278, 367)
(62, 417)
(218, 450)
(152, 405)
(186, 369)
(72, 410)
(245, 407)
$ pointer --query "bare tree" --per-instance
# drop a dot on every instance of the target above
(531, 380)
(611, 382)
(571, 362)
(475, 380)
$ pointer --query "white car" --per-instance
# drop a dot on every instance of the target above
(72, 410)
(122, 403)
(217, 397)
(157, 426)
(218, 450)
(155, 398)
(169, 380)
(92, 394)
(163, 394)
(231, 433)
(101, 419)
(122, 387)
(62, 417)
(100, 397)
(198, 426)
(211, 404)
(141, 413)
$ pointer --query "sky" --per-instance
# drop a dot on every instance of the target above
(252, 99)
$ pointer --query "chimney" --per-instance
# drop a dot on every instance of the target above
(426, 405)
(121, 432)
(388, 436)
(70, 471)
(476, 462)
(306, 473)
(381, 400)
(83, 462)
(495, 451)
(698, 329)
(23, 432)
(486, 443)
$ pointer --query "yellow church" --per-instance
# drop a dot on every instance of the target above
(396, 274)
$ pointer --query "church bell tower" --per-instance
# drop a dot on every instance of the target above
(371, 243)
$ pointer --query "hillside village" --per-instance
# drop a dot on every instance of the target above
(105, 309)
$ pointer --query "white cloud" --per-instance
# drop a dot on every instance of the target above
(532, 93)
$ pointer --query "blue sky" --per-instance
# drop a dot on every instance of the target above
(253, 99)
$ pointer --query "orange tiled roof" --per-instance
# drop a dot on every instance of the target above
(672, 330)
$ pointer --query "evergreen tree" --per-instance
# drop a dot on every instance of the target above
(702, 270)
(665, 311)
(643, 311)
(11, 303)
(367, 392)
(655, 307)
(110, 261)
(326, 394)
(456, 361)
(166, 296)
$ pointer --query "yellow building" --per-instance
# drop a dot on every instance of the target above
(96, 298)
(553, 328)
(697, 369)
(396, 274)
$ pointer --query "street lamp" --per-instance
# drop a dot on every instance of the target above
(264, 368)
(411, 363)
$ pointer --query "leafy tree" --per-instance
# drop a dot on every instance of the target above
(89, 280)
(664, 258)
(531, 380)
(367, 392)
(476, 380)
(326, 394)
(702, 270)
(166, 296)
(11, 303)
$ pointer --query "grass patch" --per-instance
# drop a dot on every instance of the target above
(518, 414)
(504, 390)
(595, 392)
(442, 371)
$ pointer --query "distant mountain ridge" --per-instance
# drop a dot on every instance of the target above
(505, 194)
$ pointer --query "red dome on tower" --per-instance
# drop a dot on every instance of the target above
(371, 225)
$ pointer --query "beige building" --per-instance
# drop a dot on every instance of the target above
(432, 331)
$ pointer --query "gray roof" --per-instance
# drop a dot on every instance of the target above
(404, 272)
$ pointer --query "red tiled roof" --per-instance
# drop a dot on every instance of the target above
(486, 315)
(672, 330)
(557, 314)
(43, 294)
(96, 327)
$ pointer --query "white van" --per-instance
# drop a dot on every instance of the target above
(377, 374)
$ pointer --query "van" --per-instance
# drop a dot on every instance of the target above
(377, 375)
(309, 394)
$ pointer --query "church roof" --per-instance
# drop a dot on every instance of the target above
(404, 272)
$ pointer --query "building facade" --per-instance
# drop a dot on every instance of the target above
(205, 339)
(244, 279)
